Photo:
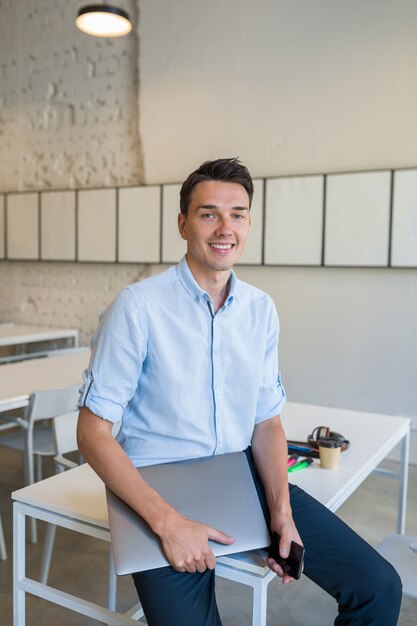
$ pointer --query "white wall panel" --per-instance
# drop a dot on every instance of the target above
(58, 225)
(139, 224)
(22, 226)
(97, 225)
(173, 246)
(294, 220)
(404, 219)
(252, 254)
(357, 219)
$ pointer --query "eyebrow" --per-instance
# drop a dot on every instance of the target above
(212, 207)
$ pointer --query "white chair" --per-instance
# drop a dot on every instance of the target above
(401, 552)
(33, 438)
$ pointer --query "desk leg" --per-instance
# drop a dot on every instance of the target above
(259, 606)
(403, 476)
(19, 565)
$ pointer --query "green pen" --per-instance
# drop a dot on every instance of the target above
(300, 465)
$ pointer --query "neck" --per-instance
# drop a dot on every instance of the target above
(215, 283)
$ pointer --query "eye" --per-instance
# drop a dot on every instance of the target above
(208, 216)
(238, 216)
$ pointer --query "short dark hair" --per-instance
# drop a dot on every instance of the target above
(226, 170)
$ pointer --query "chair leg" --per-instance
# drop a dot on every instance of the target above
(30, 479)
(38, 467)
(111, 604)
(3, 551)
(33, 531)
(47, 553)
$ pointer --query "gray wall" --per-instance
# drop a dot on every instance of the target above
(291, 86)
(348, 336)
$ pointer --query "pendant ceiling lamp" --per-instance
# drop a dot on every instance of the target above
(103, 20)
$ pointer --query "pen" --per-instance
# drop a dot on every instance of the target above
(299, 448)
(301, 465)
(292, 460)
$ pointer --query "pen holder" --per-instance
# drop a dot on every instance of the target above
(329, 451)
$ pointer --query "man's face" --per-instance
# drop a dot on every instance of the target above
(217, 225)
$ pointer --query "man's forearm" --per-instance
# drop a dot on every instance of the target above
(269, 448)
(114, 467)
(184, 542)
(270, 452)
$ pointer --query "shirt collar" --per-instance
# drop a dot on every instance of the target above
(193, 288)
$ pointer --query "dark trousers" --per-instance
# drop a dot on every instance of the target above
(366, 587)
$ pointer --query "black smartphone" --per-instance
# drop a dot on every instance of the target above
(293, 564)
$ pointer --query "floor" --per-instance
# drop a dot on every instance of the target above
(80, 563)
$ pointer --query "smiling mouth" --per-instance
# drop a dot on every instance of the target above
(221, 246)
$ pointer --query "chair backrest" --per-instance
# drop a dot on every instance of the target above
(47, 404)
(65, 432)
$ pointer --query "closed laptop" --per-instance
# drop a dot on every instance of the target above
(218, 491)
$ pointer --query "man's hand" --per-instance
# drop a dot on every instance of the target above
(185, 544)
(285, 527)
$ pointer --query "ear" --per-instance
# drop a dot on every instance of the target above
(182, 222)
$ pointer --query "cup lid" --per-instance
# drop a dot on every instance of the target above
(327, 442)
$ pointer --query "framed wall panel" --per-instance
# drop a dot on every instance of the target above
(97, 225)
(253, 251)
(139, 224)
(294, 220)
(357, 219)
(404, 219)
(58, 225)
(2, 230)
(173, 246)
(23, 226)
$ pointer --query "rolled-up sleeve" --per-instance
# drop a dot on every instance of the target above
(118, 350)
(271, 397)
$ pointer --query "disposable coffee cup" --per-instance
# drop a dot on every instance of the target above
(329, 450)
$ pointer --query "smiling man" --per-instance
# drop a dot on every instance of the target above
(187, 361)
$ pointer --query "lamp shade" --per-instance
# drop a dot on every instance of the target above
(103, 20)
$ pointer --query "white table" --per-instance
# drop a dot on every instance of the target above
(19, 380)
(76, 500)
(16, 336)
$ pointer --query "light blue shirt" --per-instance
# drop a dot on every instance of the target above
(183, 382)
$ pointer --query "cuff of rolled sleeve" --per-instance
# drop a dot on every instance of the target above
(101, 406)
(272, 402)
(104, 408)
(275, 411)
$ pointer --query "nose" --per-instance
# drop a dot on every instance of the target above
(224, 228)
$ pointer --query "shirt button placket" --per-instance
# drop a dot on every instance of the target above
(217, 378)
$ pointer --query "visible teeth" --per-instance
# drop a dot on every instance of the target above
(221, 246)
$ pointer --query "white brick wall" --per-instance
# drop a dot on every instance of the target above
(68, 101)
(69, 118)
(62, 294)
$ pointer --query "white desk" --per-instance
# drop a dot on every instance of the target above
(76, 500)
(15, 337)
(23, 333)
(19, 380)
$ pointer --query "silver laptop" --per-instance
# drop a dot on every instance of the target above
(216, 490)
